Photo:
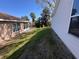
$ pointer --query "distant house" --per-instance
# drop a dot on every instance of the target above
(11, 26)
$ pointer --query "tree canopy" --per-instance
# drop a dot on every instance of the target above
(25, 18)
(47, 3)
(32, 14)
(45, 14)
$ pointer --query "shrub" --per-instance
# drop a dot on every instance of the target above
(37, 23)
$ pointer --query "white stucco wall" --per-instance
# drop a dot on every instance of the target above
(60, 24)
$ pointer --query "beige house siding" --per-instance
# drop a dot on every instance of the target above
(21, 27)
(6, 30)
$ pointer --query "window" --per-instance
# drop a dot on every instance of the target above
(25, 25)
(74, 23)
(16, 27)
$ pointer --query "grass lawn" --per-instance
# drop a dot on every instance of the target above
(41, 47)
(41, 43)
(40, 34)
(16, 48)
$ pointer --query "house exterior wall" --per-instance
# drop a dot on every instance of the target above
(21, 27)
(60, 24)
(21, 30)
(4, 33)
(6, 30)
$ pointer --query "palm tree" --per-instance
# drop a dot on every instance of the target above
(32, 14)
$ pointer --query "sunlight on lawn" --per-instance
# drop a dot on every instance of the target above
(17, 44)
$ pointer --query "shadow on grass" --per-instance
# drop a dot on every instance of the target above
(34, 40)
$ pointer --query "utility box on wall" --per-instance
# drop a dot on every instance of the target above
(65, 23)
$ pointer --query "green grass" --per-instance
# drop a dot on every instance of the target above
(15, 49)
(41, 38)
(33, 40)
(13, 46)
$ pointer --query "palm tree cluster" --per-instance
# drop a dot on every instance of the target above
(43, 20)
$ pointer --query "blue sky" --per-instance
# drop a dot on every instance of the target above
(19, 7)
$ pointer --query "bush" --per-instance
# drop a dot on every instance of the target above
(37, 23)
